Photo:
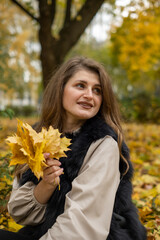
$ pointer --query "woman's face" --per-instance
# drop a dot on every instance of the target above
(82, 96)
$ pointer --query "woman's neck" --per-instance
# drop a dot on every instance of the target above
(71, 126)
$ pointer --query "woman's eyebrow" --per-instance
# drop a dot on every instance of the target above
(83, 81)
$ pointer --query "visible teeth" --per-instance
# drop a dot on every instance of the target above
(85, 105)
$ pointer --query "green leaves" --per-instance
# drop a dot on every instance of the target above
(7, 113)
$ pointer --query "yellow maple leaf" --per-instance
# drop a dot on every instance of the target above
(52, 138)
(64, 142)
(157, 202)
(13, 226)
(28, 146)
(145, 211)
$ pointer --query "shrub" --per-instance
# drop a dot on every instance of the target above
(140, 108)
(25, 111)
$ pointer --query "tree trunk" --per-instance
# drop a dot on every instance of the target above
(53, 51)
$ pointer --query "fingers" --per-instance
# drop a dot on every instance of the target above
(53, 162)
(52, 172)
(46, 155)
(51, 169)
(53, 177)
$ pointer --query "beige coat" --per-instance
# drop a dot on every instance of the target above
(88, 206)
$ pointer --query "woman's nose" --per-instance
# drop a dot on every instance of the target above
(88, 93)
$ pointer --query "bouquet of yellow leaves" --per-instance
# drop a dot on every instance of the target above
(28, 146)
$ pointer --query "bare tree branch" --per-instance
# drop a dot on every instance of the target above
(47, 13)
(54, 49)
(77, 26)
(68, 12)
(25, 10)
(53, 10)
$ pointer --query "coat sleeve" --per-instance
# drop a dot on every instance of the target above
(22, 205)
(89, 205)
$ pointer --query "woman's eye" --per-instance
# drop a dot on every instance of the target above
(80, 85)
(97, 91)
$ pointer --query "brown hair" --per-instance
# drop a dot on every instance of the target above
(52, 109)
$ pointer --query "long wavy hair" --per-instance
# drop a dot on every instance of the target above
(52, 112)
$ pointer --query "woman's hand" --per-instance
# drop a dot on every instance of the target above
(51, 178)
(52, 172)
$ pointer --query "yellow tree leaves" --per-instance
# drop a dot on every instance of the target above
(136, 45)
(20, 70)
(28, 146)
(139, 42)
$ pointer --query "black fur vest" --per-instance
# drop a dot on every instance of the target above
(90, 132)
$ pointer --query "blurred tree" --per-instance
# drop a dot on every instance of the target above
(7, 78)
(61, 23)
(17, 58)
(136, 44)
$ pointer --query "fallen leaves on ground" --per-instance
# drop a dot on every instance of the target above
(144, 143)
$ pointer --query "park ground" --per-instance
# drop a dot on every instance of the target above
(144, 144)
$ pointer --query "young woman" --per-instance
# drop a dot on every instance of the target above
(94, 201)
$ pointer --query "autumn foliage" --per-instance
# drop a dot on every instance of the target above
(28, 147)
(143, 141)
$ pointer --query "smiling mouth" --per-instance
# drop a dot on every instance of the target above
(85, 105)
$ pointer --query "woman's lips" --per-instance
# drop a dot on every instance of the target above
(85, 105)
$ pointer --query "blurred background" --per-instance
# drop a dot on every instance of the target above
(37, 36)
(123, 35)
